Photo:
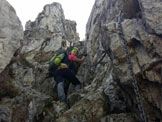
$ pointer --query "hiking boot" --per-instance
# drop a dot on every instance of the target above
(77, 88)
(62, 99)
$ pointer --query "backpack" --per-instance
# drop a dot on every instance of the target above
(60, 56)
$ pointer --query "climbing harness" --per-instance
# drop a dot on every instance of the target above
(130, 67)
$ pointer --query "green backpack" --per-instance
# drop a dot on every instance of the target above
(60, 56)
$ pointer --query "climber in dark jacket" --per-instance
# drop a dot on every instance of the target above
(64, 73)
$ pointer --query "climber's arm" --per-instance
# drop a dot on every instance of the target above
(78, 59)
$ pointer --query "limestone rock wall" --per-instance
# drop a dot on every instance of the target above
(11, 33)
(24, 87)
(142, 30)
(28, 95)
(49, 32)
(52, 18)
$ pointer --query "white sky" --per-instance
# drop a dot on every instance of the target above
(77, 10)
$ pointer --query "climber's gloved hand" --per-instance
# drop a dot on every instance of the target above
(83, 57)
(85, 54)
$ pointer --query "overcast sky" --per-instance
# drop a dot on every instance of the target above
(78, 10)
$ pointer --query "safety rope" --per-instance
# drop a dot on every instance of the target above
(130, 67)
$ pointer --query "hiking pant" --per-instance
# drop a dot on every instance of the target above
(65, 74)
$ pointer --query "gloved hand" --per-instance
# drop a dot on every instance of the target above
(83, 57)
(85, 54)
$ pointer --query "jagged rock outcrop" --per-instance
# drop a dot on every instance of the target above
(15, 100)
(28, 94)
(49, 32)
(142, 29)
(90, 108)
(24, 83)
(52, 18)
(11, 32)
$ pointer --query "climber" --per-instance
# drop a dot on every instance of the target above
(64, 73)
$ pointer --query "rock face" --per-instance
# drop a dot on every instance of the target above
(24, 86)
(142, 29)
(52, 18)
(11, 32)
(151, 15)
(28, 95)
(49, 32)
